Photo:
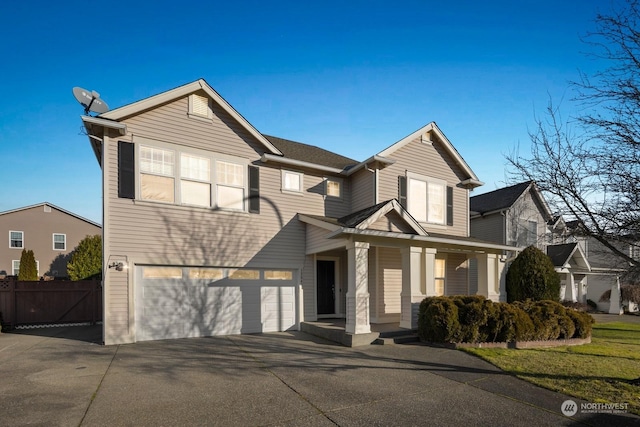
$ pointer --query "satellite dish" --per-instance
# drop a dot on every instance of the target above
(90, 100)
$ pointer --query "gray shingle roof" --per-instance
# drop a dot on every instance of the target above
(501, 198)
(560, 254)
(309, 153)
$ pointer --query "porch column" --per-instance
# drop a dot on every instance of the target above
(411, 295)
(489, 276)
(430, 271)
(357, 292)
(569, 288)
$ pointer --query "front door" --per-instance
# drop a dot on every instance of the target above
(326, 286)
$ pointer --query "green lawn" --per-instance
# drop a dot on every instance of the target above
(598, 372)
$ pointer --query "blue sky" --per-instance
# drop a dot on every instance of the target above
(349, 76)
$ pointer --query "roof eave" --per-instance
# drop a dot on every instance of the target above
(364, 164)
(299, 163)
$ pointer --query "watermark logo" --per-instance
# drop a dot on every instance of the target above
(569, 408)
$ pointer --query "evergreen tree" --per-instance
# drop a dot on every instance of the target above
(532, 275)
(86, 258)
(28, 266)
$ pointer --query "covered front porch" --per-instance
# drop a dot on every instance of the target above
(377, 271)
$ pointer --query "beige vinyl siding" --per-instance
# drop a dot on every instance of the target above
(363, 184)
(156, 233)
(309, 289)
(456, 274)
(489, 228)
(392, 222)
(526, 208)
(431, 161)
(389, 283)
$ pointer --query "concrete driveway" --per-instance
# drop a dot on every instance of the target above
(62, 377)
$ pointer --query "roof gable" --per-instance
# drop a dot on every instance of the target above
(43, 205)
(471, 181)
(182, 91)
(505, 198)
(568, 254)
(391, 211)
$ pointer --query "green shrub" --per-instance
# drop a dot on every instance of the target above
(532, 276)
(86, 258)
(550, 320)
(582, 322)
(438, 320)
(472, 315)
(28, 266)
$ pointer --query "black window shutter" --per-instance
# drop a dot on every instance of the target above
(449, 205)
(402, 191)
(254, 189)
(126, 176)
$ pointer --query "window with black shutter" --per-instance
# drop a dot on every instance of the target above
(402, 191)
(126, 176)
(449, 205)
(254, 189)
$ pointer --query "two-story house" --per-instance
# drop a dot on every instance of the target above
(212, 228)
(518, 215)
(49, 231)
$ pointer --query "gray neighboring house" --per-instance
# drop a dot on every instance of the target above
(519, 216)
(213, 228)
(49, 231)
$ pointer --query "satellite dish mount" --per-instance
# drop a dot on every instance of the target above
(90, 100)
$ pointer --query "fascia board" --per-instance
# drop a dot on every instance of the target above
(372, 159)
(318, 223)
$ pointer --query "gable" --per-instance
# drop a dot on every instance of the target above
(201, 88)
(392, 222)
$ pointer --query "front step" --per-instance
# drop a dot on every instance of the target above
(397, 339)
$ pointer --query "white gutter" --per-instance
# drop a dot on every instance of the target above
(120, 127)
(273, 158)
(471, 183)
(375, 158)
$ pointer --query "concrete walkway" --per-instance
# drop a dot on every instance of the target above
(62, 377)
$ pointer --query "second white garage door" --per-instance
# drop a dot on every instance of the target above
(180, 302)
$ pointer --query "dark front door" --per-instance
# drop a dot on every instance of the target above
(326, 286)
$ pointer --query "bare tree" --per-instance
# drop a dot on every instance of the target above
(590, 166)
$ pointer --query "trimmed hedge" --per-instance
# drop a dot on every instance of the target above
(475, 319)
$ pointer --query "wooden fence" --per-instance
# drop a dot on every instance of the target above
(50, 302)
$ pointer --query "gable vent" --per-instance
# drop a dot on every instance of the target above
(200, 105)
(47, 208)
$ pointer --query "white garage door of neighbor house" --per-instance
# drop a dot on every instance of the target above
(181, 302)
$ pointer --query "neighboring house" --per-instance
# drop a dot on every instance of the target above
(212, 228)
(518, 215)
(49, 231)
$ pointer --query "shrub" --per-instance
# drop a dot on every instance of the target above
(582, 323)
(472, 314)
(592, 305)
(86, 258)
(28, 266)
(438, 320)
(532, 276)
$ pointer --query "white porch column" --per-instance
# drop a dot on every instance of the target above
(569, 289)
(358, 288)
(489, 276)
(430, 271)
(411, 295)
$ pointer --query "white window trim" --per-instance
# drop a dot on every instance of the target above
(16, 247)
(326, 187)
(428, 179)
(178, 151)
(192, 114)
(53, 238)
(283, 181)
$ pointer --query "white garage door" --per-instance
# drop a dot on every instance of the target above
(179, 302)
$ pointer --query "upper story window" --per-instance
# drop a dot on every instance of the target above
(59, 242)
(157, 170)
(16, 239)
(634, 251)
(200, 106)
(200, 179)
(195, 183)
(292, 181)
(230, 185)
(333, 187)
(527, 232)
(427, 199)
